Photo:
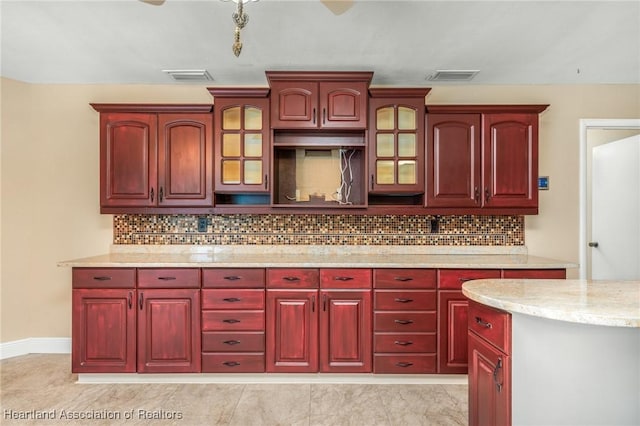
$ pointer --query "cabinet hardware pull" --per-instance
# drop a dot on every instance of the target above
(342, 278)
(476, 195)
(486, 194)
(152, 194)
(403, 342)
(266, 181)
(166, 278)
(231, 342)
(231, 363)
(102, 278)
(313, 303)
(231, 299)
(140, 300)
(324, 115)
(232, 278)
(291, 279)
(495, 374)
(404, 364)
(403, 279)
(314, 116)
(404, 322)
(324, 303)
(399, 300)
(371, 181)
(129, 300)
(483, 323)
(230, 321)
(161, 197)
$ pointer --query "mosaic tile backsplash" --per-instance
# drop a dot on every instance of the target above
(266, 229)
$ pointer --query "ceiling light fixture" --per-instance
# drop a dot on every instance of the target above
(240, 18)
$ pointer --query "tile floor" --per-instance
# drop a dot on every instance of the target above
(42, 384)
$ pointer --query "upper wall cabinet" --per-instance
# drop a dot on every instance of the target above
(482, 156)
(155, 156)
(396, 141)
(319, 100)
(241, 140)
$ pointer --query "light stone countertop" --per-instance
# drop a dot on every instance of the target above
(609, 303)
(319, 257)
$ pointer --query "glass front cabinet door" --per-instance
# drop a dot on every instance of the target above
(396, 144)
(241, 140)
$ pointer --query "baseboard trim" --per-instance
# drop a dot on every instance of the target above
(35, 345)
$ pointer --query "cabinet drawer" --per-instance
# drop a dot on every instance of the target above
(404, 364)
(535, 273)
(491, 324)
(233, 362)
(453, 279)
(412, 300)
(233, 278)
(345, 278)
(404, 321)
(103, 277)
(233, 299)
(168, 278)
(404, 278)
(213, 341)
(232, 320)
(404, 343)
(293, 278)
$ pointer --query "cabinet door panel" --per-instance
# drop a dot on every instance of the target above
(227, 320)
(185, 156)
(238, 341)
(350, 278)
(104, 331)
(233, 299)
(292, 331)
(452, 332)
(405, 363)
(410, 300)
(404, 343)
(169, 278)
(408, 322)
(233, 278)
(128, 159)
(343, 105)
(169, 331)
(239, 362)
(404, 278)
(103, 277)
(452, 279)
(293, 278)
(345, 331)
(294, 104)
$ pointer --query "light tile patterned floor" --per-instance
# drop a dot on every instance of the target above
(42, 385)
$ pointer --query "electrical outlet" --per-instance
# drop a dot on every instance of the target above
(435, 226)
(202, 224)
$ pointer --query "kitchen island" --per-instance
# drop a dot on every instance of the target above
(573, 348)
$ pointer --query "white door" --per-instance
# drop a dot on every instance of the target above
(615, 233)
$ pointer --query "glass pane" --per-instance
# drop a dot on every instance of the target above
(231, 145)
(406, 118)
(231, 171)
(253, 145)
(253, 171)
(407, 172)
(384, 145)
(252, 118)
(385, 172)
(231, 118)
(384, 119)
(406, 145)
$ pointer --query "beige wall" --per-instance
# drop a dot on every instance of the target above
(50, 197)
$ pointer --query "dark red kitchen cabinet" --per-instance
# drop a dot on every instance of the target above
(345, 331)
(291, 331)
(169, 331)
(104, 330)
(454, 168)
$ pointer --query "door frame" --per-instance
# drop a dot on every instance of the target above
(585, 125)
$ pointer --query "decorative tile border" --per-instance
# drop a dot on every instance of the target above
(254, 229)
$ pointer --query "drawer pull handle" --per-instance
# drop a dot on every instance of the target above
(102, 278)
(404, 364)
(403, 342)
(231, 342)
(404, 322)
(400, 300)
(129, 300)
(291, 279)
(166, 278)
(231, 299)
(403, 279)
(231, 363)
(495, 374)
(342, 278)
(483, 323)
(232, 278)
(231, 321)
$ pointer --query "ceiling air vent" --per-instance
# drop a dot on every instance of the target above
(453, 75)
(189, 76)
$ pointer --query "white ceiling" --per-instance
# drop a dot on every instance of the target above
(403, 42)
